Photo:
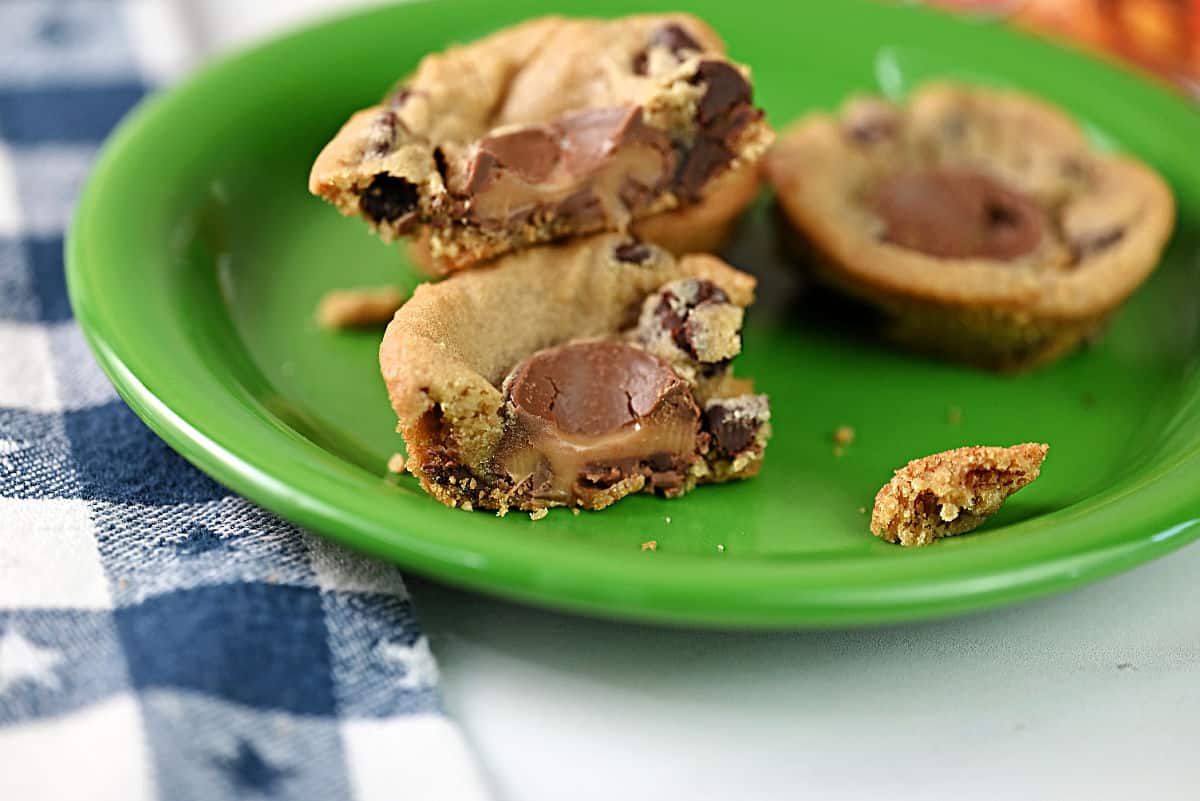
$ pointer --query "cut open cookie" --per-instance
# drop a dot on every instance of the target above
(549, 129)
(980, 222)
(574, 375)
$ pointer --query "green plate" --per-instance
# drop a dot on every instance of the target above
(197, 256)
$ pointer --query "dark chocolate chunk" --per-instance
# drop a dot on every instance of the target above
(957, 214)
(675, 38)
(872, 130)
(399, 97)
(439, 163)
(706, 158)
(674, 311)
(383, 133)
(671, 36)
(389, 199)
(732, 432)
(724, 88)
(632, 252)
(1093, 244)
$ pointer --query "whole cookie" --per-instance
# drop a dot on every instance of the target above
(979, 221)
(549, 129)
(574, 375)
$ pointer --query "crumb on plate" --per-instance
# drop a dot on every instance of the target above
(361, 307)
(396, 463)
(650, 545)
(538, 514)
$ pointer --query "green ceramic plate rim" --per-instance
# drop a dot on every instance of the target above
(305, 484)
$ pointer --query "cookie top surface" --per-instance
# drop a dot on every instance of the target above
(972, 196)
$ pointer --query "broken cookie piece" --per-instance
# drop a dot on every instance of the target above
(981, 223)
(555, 377)
(358, 308)
(952, 492)
(550, 129)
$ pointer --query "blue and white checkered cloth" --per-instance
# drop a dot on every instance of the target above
(161, 638)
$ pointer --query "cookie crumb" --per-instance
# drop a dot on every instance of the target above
(396, 463)
(538, 514)
(862, 510)
(667, 519)
(954, 415)
(843, 435)
(575, 511)
(952, 492)
(467, 506)
(650, 545)
(720, 547)
(363, 307)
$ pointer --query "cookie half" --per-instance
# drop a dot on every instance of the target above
(548, 129)
(980, 222)
(574, 375)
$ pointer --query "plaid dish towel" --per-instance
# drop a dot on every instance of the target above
(161, 638)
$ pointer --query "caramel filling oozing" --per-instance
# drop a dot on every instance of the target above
(587, 415)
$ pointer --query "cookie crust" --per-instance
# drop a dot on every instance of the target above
(952, 492)
(1108, 219)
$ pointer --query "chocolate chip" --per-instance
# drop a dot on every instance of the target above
(673, 312)
(675, 38)
(671, 36)
(632, 252)
(954, 127)
(870, 131)
(661, 462)
(439, 162)
(704, 160)
(383, 133)
(714, 369)
(1091, 245)
(389, 198)
(399, 97)
(724, 88)
(731, 432)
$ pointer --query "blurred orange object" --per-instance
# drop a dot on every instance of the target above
(1162, 36)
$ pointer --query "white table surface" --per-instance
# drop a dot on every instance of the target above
(1093, 695)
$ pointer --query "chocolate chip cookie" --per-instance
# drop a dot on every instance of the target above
(979, 221)
(573, 375)
(952, 492)
(548, 129)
